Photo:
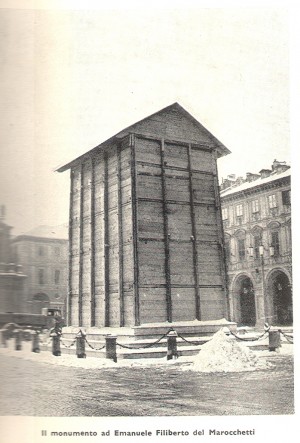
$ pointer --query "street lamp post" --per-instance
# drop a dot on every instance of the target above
(262, 261)
(271, 254)
(261, 250)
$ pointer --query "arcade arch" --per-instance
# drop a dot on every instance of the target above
(244, 300)
(279, 298)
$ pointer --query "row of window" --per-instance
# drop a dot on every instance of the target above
(242, 250)
(41, 277)
(41, 251)
(272, 203)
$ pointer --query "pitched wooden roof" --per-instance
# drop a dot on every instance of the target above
(168, 122)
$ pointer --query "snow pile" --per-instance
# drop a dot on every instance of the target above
(224, 353)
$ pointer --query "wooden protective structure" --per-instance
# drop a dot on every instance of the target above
(146, 239)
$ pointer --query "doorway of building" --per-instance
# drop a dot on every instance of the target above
(282, 299)
(247, 302)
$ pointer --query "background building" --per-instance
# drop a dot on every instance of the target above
(43, 253)
(256, 214)
(12, 278)
(145, 226)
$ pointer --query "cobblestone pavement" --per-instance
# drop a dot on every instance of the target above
(31, 388)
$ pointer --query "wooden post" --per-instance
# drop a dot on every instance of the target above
(166, 235)
(35, 342)
(274, 340)
(172, 345)
(106, 240)
(135, 231)
(80, 249)
(221, 238)
(56, 345)
(3, 337)
(80, 345)
(120, 232)
(194, 237)
(18, 339)
(93, 301)
(111, 347)
(69, 303)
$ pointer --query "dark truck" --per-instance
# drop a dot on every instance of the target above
(48, 319)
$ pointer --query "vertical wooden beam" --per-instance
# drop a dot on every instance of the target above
(166, 234)
(80, 249)
(92, 215)
(69, 304)
(134, 231)
(106, 242)
(194, 237)
(120, 232)
(220, 227)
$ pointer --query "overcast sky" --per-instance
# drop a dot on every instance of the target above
(72, 78)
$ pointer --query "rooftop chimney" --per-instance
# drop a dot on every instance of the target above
(265, 173)
(278, 166)
(250, 177)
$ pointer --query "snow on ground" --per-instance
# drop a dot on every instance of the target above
(224, 353)
(221, 354)
(86, 363)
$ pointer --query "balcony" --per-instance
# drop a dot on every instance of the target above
(273, 212)
(286, 209)
(253, 263)
(255, 216)
(226, 224)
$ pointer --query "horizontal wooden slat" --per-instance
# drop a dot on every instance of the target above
(177, 188)
(149, 187)
(150, 220)
(147, 150)
(176, 155)
(202, 160)
(179, 221)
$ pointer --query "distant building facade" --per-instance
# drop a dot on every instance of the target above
(12, 278)
(44, 257)
(256, 214)
(145, 226)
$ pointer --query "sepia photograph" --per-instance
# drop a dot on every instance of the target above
(146, 241)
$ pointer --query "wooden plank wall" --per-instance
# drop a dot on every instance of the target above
(101, 250)
(145, 235)
(127, 235)
(74, 258)
(179, 232)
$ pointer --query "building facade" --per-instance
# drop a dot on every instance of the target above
(12, 278)
(44, 257)
(145, 226)
(256, 214)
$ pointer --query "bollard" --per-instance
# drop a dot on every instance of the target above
(56, 344)
(3, 337)
(172, 345)
(35, 342)
(80, 344)
(18, 339)
(111, 347)
(274, 340)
